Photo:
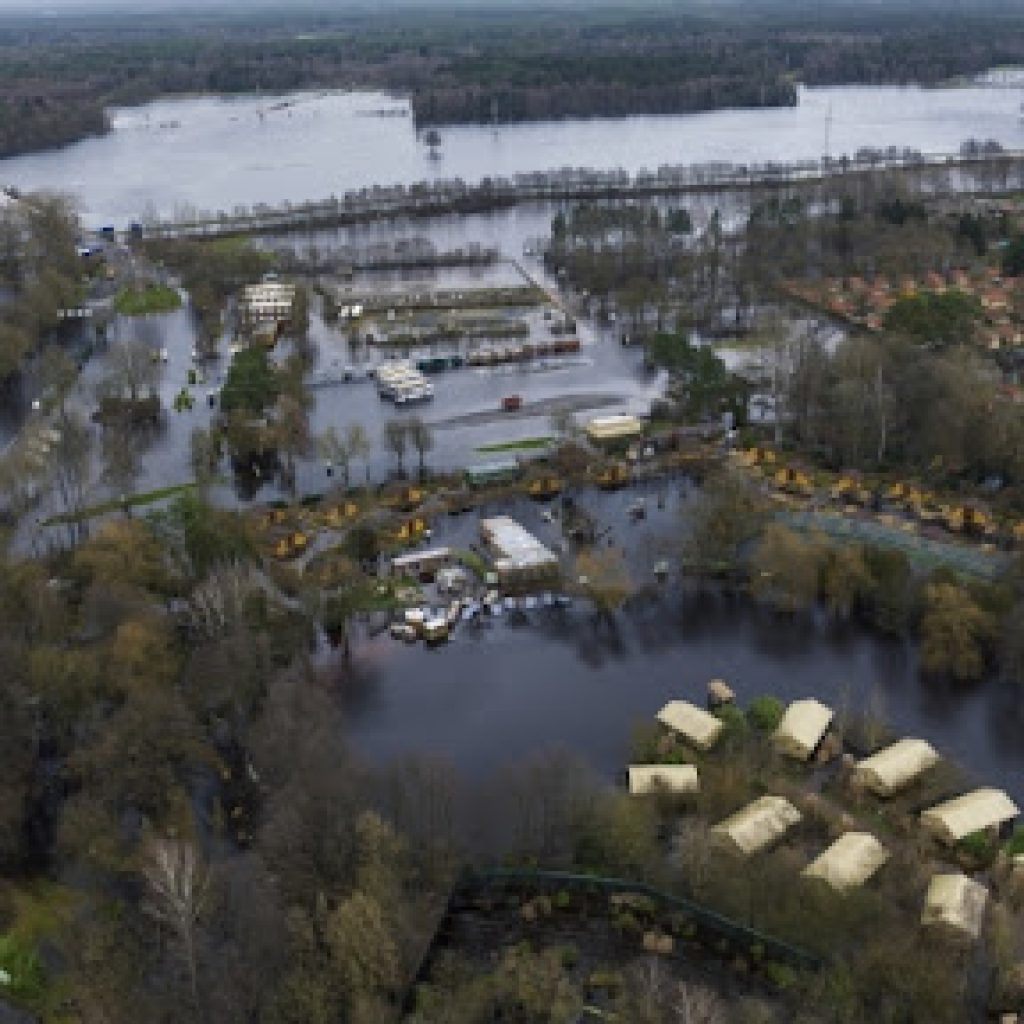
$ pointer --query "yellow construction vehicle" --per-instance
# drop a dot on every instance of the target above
(793, 481)
(338, 515)
(411, 529)
(291, 545)
(968, 519)
(849, 490)
(613, 475)
(405, 497)
(544, 486)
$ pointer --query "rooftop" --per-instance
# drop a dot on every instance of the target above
(514, 544)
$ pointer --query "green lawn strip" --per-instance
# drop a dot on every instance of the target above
(152, 298)
(117, 505)
(523, 444)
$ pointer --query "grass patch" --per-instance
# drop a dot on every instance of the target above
(472, 561)
(117, 505)
(523, 444)
(152, 298)
(1015, 845)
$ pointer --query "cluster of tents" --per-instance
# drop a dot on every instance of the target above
(953, 900)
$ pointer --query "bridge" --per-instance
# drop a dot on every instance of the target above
(985, 172)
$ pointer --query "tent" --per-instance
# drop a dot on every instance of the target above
(699, 728)
(850, 861)
(973, 812)
(896, 767)
(956, 903)
(802, 728)
(672, 778)
(757, 825)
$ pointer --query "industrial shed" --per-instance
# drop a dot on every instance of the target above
(973, 812)
(609, 429)
(802, 728)
(850, 861)
(519, 556)
(672, 778)
(896, 767)
(758, 825)
(955, 903)
(699, 728)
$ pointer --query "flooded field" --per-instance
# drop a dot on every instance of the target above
(168, 156)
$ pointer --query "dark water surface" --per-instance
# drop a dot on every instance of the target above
(497, 694)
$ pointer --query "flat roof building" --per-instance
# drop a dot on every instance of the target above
(669, 778)
(416, 562)
(849, 862)
(614, 428)
(268, 301)
(896, 767)
(517, 552)
(496, 471)
(758, 825)
(973, 812)
(697, 727)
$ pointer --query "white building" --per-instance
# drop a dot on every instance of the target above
(267, 302)
(518, 555)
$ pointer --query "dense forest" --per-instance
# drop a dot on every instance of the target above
(458, 65)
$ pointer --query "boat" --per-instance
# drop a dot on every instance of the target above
(435, 630)
(512, 403)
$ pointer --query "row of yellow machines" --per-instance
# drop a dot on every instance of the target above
(914, 502)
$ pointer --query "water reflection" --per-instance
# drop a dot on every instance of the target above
(501, 692)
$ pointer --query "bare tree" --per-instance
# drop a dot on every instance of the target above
(422, 438)
(205, 454)
(71, 462)
(335, 451)
(359, 445)
(133, 370)
(396, 437)
(177, 889)
(121, 457)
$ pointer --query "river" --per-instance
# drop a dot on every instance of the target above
(212, 153)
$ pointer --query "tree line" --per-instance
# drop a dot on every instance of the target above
(464, 66)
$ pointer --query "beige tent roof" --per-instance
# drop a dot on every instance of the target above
(972, 812)
(802, 728)
(850, 861)
(757, 825)
(674, 778)
(896, 766)
(694, 724)
(956, 902)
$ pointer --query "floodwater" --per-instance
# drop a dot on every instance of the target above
(551, 680)
(499, 693)
(212, 153)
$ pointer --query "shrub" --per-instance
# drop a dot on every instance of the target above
(734, 719)
(1015, 844)
(980, 847)
(765, 713)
